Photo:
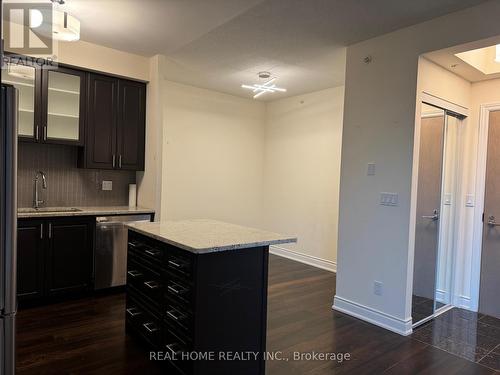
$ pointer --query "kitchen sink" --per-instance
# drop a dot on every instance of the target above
(47, 209)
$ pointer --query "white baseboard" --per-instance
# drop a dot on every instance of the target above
(379, 318)
(463, 302)
(442, 296)
(327, 265)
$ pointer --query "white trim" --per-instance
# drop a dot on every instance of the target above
(477, 242)
(444, 104)
(373, 316)
(304, 258)
(463, 302)
(442, 296)
(438, 113)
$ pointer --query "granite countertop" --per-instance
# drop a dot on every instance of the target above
(207, 236)
(81, 211)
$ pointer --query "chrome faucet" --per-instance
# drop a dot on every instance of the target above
(36, 201)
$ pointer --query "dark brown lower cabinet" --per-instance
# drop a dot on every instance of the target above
(202, 314)
(54, 257)
(30, 259)
(68, 265)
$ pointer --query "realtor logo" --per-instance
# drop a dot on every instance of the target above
(27, 28)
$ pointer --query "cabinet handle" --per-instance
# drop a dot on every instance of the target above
(153, 252)
(44, 133)
(134, 311)
(172, 263)
(120, 161)
(176, 336)
(152, 284)
(114, 160)
(134, 273)
(179, 291)
(151, 330)
(37, 133)
(50, 230)
(170, 347)
(172, 312)
(41, 231)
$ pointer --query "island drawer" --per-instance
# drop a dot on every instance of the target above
(175, 347)
(145, 249)
(140, 319)
(178, 317)
(146, 282)
(179, 291)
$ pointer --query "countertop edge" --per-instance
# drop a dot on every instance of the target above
(84, 212)
(212, 249)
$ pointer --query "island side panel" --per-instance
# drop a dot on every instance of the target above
(231, 309)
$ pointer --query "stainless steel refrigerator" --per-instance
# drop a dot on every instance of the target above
(8, 228)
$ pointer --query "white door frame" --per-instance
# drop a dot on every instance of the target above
(444, 104)
(477, 244)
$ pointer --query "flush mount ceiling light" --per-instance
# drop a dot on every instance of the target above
(65, 27)
(263, 88)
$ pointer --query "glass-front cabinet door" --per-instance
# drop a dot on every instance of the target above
(26, 79)
(64, 99)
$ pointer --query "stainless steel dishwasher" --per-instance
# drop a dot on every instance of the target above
(110, 256)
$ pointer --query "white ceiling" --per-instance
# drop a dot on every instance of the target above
(220, 44)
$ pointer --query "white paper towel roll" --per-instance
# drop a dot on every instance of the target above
(132, 195)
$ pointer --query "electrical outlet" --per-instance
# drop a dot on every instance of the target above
(107, 185)
(378, 288)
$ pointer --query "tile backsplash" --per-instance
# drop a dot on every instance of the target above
(67, 185)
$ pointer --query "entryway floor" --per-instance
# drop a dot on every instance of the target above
(473, 336)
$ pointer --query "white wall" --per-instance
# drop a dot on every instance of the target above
(213, 155)
(149, 182)
(302, 173)
(376, 242)
(103, 59)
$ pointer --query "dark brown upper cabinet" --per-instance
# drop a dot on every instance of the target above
(51, 102)
(100, 143)
(130, 134)
(116, 121)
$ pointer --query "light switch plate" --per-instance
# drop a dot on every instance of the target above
(389, 199)
(107, 185)
(371, 169)
(378, 288)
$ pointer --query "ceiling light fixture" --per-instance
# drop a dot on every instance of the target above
(497, 55)
(65, 27)
(267, 87)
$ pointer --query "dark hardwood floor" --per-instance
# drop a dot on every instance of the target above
(88, 337)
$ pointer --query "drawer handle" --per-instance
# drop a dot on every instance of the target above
(134, 311)
(148, 327)
(132, 244)
(134, 273)
(152, 284)
(180, 291)
(153, 252)
(171, 348)
(172, 312)
(175, 264)
(176, 336)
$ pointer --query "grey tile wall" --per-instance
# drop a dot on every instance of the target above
(67, 185)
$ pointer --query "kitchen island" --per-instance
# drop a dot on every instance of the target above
(197, 294)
